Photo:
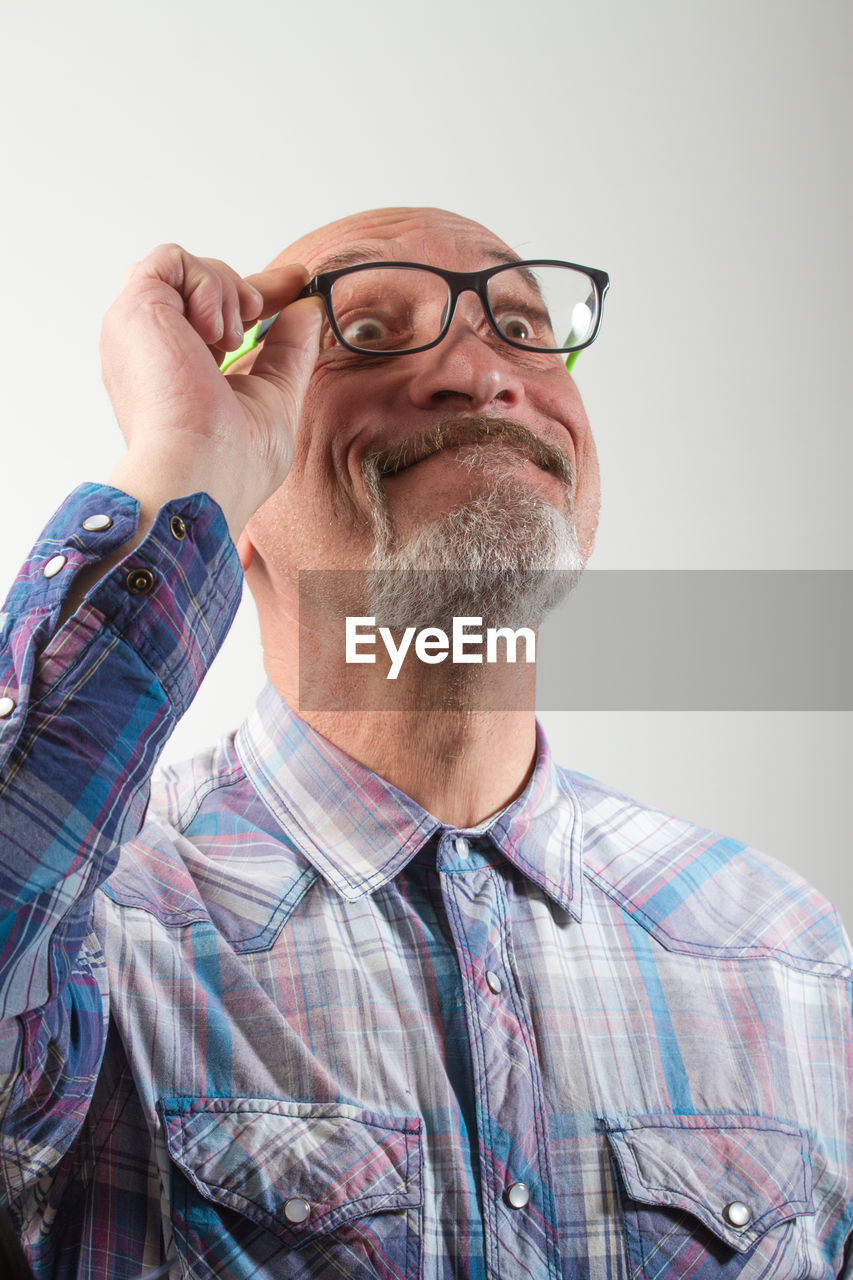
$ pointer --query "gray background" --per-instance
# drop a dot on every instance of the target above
(699, 152)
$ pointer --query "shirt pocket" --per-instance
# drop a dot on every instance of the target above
(269, 1188)
(712, 1195)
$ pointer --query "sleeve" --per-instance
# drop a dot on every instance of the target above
(85, 711)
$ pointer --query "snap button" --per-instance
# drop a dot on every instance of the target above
(7, 706)
(738, 1215)
(97, 524)
(460, 844)
(517, 1195)
(177, 528)
(297, 1210)
(140, 581)
(54, 566)
(493, 982)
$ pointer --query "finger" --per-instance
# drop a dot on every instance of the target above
(151, 303)
(203, 290)
(288, 356)
(279, 286)
(214, 298)
(241, 303)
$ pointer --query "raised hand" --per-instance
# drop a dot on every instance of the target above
(188, 427)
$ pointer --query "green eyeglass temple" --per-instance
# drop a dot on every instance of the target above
(254, 336)
(250, 341)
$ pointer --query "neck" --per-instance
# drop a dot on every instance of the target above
(458, 739)
(461, 766)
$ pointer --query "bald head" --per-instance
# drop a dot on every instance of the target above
(379, 230)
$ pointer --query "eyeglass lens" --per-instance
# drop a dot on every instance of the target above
(552, 308)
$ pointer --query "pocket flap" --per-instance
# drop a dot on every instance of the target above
(706, 1164)
(256, 1154)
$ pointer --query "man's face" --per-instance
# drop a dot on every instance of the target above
(325, 513)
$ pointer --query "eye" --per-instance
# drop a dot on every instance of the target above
(516, 327)
(366, 332)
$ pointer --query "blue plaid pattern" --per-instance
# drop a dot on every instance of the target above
(271, 1019)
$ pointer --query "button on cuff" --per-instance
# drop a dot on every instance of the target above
(97, 523)
(7, 706)
(139, 581)
(54, 566)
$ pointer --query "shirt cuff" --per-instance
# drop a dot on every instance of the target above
(172, 598)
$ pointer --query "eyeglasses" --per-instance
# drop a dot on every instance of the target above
(397, 308)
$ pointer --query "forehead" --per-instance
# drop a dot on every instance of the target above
(434, 236)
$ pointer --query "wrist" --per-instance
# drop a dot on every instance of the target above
(156, 479)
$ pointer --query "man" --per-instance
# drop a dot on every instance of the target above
(374, 988)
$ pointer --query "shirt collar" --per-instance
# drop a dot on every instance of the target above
(359, 831)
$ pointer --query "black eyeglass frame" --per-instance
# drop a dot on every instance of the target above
(458, 282)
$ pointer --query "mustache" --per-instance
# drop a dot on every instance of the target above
(475, 429)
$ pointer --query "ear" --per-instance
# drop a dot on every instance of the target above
(245, 550)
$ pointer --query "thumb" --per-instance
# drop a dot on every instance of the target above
(287, 357)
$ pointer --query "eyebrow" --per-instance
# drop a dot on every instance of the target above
(359, 253)
(349, 258)
(511, 260)
(500, 255)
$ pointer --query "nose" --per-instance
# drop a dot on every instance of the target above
(467, 369)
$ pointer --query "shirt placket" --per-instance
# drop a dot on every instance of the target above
(519, 1212)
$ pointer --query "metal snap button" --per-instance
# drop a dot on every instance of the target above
(97, 524)
(460, 844)
(140, 581)
(7, 706)
(54, 566)
(517, 1195)
(738, 1215)
(493, 982)
(177, 528)
(297, 1210)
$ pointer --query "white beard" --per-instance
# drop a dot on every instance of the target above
(508, 557)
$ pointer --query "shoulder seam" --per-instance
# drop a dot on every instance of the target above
(741, 954)
(186, 815)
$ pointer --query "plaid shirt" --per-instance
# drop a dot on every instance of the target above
(281, 1022)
